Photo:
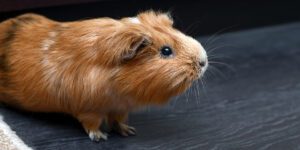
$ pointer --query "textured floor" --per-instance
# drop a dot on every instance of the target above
(252, 104)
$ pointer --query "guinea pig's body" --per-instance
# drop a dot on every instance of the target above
(95, 70)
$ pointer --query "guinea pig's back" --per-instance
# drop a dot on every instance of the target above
(21, 41)
(7, 29)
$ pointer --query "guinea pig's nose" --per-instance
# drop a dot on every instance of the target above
(202, 63)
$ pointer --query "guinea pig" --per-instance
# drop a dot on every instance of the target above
(96, 70)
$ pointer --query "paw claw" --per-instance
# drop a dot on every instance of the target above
(97, 136)
(126, 130)
(132, 131)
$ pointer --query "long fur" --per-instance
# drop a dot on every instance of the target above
(94, 68)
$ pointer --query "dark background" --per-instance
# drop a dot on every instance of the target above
(200, 17)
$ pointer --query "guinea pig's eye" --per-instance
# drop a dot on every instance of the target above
(166, 51)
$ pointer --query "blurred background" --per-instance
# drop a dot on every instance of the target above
(196, 17)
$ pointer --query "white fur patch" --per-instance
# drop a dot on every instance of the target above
(135, 20)
(92, 79)
(91, 37)
(47, 43)
(10, 140)
(52, 34)
(49, 70)
(203, 54)
(94, 74)
(203, 57)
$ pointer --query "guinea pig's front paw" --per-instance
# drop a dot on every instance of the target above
(124, 129)
(97, 135)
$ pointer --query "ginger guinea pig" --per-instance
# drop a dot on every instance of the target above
(96, 70)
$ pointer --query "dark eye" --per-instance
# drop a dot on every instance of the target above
(166, 51)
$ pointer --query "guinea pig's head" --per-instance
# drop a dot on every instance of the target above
(151, 60)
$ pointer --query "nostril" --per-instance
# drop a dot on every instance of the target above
(202, 63)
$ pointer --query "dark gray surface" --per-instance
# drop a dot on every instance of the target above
(256, 106)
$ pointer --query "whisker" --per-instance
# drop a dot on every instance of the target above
(191, 28)
(224, 64)
(186, 95)
(209, 72)
(218, 57)
(189, 93)
(203, 85)
(211, 38)
(197, 91)
(219, 72)
(194, 89)
(212, 49)
(205, 75)
(175, 101)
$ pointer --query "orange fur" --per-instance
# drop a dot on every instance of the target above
(92, 69)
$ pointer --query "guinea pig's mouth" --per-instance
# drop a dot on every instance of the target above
(194, 75)
(201, 71)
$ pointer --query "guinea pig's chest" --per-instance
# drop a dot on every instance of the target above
(119, 102)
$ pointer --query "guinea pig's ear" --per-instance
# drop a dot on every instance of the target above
(121, 44)
(135, 44)
(166, 18)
